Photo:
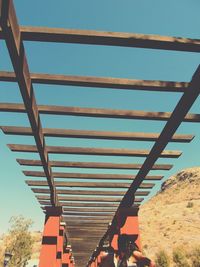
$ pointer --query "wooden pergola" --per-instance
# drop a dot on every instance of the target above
(90, 207)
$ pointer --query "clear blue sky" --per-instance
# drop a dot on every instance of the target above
(173, 18)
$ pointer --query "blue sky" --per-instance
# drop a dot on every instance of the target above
(173, 18)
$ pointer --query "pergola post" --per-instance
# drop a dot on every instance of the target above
(60, 245)
(127, 223)
(50, 241)
(66, 256)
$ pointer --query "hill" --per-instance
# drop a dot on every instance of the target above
(172, 217)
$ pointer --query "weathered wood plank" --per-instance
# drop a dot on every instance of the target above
(131, 136)
(97, 112)
(101, 82)
(96, 193)
(91, 176)
(74, 200)
(93, 165)
(94, 151)
(45, 34)
(88, 184)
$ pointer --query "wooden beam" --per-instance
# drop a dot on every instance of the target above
(45, 34)
(12, 35)
(88, 184)
(95, 214)
(180, 111)
(81, 204)
(93, 151)
(131, 136)
(100, 82)
(90, 176)
(81, 193)
(92, 210)
(93, 165)
(43, 199)
(89, 221)
(98, 113)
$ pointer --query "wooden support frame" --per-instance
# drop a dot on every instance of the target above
(12, 34)
(89, 207)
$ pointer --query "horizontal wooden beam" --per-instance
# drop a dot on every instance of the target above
(88, 184)
(98, 113)
(92, 210)
(131, 136)
(81, 204)
(91, 176)
(45, 34)
(93, 165)
(101, 82)
(87, 212)
(83, 220)
(82, 193)
(94, 214)
(74, 200)
(96, 193)
(72, 207)
(94, 151)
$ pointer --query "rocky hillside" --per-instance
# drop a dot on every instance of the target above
(172, 217)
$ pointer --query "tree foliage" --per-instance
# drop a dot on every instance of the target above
(18, 241)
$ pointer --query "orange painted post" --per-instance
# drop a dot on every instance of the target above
(127, 223)
(66, 256)
(60, 244)
(48, 254)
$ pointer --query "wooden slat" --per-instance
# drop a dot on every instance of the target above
(98, 113)
(88, 192)
(88, 184)
(90, 176)
(72, 220)
(87, 212)
(93, 165)
(95, 214)
(45, 34)
(80, 200)
(12, 35)
(170, 128)
(94, 151)
(74, 206)
(101, 82)
(92, 210)
(131, 136)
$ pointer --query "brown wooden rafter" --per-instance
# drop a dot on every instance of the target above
(98, 112)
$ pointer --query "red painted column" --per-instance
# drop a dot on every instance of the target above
(60, 244)
(127, 223)
(48, 254)
(66, 256)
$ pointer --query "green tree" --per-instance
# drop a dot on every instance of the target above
(180, 258)
(18, 241)
(162, 259)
